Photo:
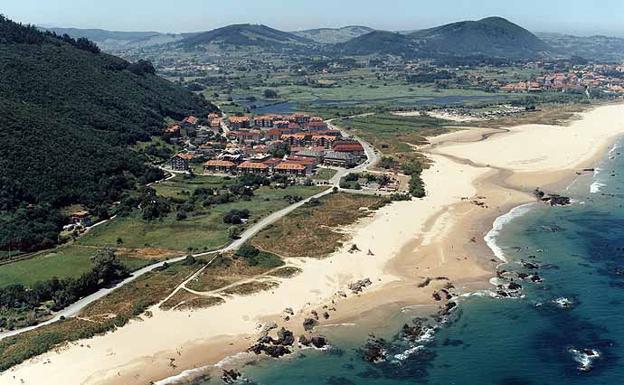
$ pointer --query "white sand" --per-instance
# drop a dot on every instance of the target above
(384, 234)
(144, 345)
(536, 147)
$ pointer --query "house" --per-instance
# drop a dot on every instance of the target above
(81, 218)
(291, 168)
(309, 163)
(250, 167)
(263, 121)
(181, 162)
(296, 140)
(189, 121)
(312, 154)
(324, 141)
(251, 136)
(238, 122)
(219, 166)
(173, 131)
(272, 163)
(352, 147)
(340, 159)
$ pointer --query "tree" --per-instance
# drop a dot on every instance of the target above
(270, 94)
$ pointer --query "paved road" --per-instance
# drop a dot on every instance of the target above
(372, 157)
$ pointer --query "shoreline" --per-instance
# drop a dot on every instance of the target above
(445, 235)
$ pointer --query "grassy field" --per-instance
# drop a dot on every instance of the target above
(309, 231)
(196, 233)
(393, 134)
(324, 174)
(62, 262)
(145, 242)
(110, 312)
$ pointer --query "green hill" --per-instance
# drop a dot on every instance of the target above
(67, 116)
(246, 35)
(490, 37)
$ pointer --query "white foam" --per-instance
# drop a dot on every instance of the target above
(407, 353)
(178, 378)
(499, 223)
(584, 358)
(595, 187)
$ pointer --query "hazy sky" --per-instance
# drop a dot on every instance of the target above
(570, 16)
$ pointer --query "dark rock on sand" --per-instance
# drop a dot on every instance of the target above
(230, 376)
(309, 324)
(374, 350)
(318, 341)
(285, 337)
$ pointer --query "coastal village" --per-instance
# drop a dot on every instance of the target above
(293, 145)
(606, 77)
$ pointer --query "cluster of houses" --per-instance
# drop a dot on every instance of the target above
(293, 145)
(576, 80)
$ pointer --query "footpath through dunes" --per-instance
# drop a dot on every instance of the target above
(412, 243)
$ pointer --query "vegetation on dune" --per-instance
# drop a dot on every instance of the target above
(68, 113)
(291, 235)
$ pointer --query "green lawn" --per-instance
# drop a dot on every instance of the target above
(205, 231)
(62, 262)
(324, 174)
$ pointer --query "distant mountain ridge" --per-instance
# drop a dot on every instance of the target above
(246, 35)
(117, 40)
(334, 35)
(491, 37)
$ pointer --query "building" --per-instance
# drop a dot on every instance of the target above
(340, 159)
(249, 167)
(238, 122)
(272, 163)
(291, 168)
(181, 162)
(324, 141)
(173, 131)
(352, 147)
(219, 166)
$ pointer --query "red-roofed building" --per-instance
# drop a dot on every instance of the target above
(295, 139)
(238, 122)
(181, 162)
(291, 168)
(190, 120)
(173, 130)
(354, 148)
(251, 136)
(219, 166)
(249, 167)
(324, 141)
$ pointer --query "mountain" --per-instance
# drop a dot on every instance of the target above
(600, 48)
(68, 114)
(250, 35)
(334, 35)
(379, 42)
(489, 37)
(112, 41)
(492, 37)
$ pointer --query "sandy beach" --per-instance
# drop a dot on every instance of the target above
(476, 176)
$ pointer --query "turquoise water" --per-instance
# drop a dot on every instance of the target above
(532, 340)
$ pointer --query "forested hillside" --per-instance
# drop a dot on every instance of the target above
(67, 115)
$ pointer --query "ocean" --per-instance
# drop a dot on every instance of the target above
(565, 324)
